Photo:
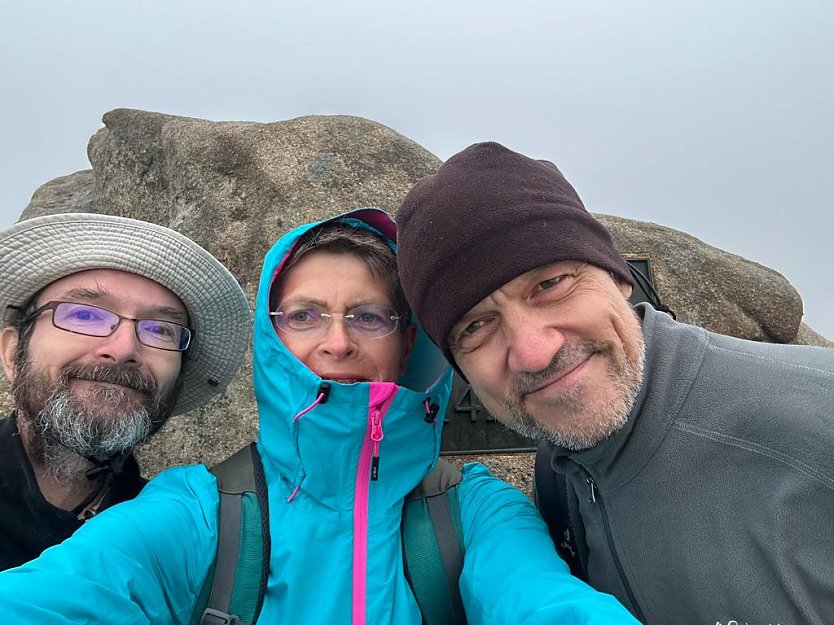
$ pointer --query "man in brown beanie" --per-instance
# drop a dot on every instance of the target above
(687, 473)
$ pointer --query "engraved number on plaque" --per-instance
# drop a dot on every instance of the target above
(468, 404)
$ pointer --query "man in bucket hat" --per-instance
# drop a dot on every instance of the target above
(697, 468)
(111, 326)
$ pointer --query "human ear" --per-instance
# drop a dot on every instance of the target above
(8, 348)
(625, 289)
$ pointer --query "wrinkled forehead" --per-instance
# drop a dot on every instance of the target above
(115, 288)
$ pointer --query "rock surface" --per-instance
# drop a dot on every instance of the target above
(807, 336)
(74, 193)
(709, 287)
(236, 187)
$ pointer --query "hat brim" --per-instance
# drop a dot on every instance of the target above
(36, 252)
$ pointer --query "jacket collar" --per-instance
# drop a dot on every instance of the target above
(674, 353)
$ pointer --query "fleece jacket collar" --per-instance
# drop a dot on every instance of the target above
(667, 380)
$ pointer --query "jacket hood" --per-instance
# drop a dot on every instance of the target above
(310, 436)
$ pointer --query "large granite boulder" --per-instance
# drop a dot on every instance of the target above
(75, 193)
(236, 187)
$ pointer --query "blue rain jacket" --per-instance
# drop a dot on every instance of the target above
(336, 548)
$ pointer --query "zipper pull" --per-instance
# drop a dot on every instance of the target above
(376, 435)
(592, 487)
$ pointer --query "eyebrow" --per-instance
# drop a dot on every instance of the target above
(167, 313)
(87, 293)
(323, 304)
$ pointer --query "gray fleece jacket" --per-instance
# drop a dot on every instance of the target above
(714, 505)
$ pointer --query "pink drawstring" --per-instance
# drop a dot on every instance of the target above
(296, 418)
(308, 408)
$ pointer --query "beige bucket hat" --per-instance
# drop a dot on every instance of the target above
(36, 252)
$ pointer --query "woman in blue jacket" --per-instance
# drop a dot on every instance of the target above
(342, 444)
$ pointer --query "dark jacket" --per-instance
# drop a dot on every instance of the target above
(28, 522)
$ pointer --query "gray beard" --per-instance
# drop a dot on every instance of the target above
(69, 429)
(68, 434)
(598, 423)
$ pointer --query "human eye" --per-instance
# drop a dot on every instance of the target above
(473, 335)
(160, 329)
(162, 334)
(369, 318)
(551, 283)
(300, 317)
(553, 287)
(81, 314)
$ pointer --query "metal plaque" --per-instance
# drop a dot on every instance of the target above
(469, 428)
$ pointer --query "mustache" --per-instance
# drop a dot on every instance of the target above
(566, 359)
(128, 377)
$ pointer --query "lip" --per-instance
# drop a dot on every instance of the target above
(564, 380)
(102, 382)
(343, 378)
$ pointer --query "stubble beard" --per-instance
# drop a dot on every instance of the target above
(584, 421)
(69, 427)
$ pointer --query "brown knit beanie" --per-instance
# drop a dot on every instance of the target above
(487, 216)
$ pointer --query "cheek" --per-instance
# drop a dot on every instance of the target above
(391, 359)
(295, 347)
(489, 383)
(166, 370)
(627, 328)
(51, 355)
(488, 363)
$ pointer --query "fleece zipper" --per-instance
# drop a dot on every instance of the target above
(595, 499)
(380, 396)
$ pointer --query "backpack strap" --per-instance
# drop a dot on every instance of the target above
(559, 506)
(433, 545)
(234, 589)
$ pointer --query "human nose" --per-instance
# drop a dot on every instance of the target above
(338, 341)
(122, 346)
(532, 344)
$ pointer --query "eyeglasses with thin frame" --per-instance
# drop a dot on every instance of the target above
(370, 321)
(92, 320)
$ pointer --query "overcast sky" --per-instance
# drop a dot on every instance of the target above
(715, 118)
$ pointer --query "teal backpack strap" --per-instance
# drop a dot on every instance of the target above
(433, 546)
(234, 589)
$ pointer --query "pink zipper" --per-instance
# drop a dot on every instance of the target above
(380, 397)
(376, 435)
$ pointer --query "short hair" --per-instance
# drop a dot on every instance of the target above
(343, 238)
